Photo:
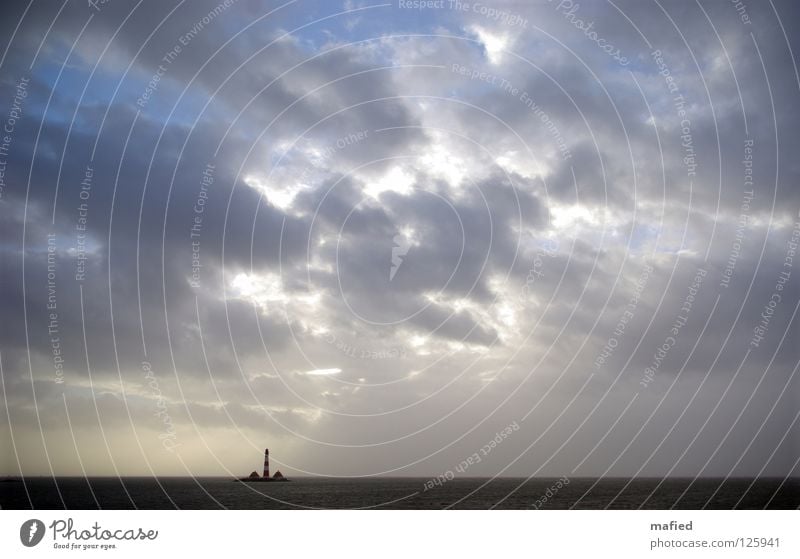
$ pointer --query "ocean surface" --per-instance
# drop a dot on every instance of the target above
(398, 493)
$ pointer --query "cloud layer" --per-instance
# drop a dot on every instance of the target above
(370, 237)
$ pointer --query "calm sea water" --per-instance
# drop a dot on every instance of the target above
(398, 493)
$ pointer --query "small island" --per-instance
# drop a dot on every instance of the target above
(254, 477)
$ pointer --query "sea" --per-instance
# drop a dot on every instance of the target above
(399, 493)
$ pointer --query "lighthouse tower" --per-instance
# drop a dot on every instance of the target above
(266, 462)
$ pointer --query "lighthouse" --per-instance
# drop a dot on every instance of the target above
(255, 477)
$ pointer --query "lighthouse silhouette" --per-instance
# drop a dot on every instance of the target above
(277, 476)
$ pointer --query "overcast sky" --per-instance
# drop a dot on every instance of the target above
(372, 236)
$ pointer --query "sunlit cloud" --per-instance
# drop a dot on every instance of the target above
(494, 43)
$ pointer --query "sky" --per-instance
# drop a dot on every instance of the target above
(375, 237)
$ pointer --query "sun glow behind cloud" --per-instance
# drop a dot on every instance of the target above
(266, 290)
(494, 43)
(396, 180)
(323, 372)
(281, 197)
